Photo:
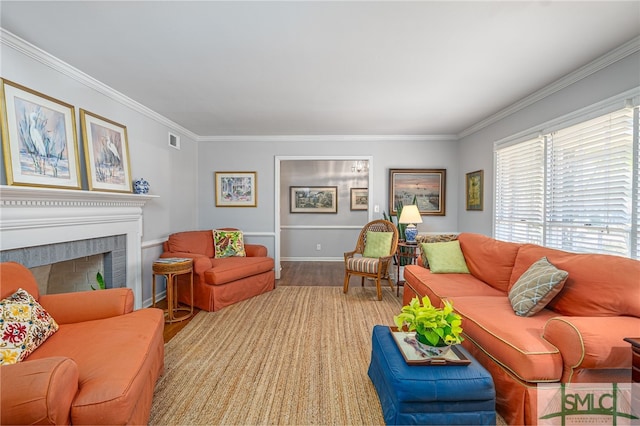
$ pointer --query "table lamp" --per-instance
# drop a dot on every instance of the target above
(410, 216)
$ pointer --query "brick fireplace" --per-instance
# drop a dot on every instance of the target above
(40, 226)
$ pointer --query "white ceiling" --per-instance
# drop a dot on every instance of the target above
(229, 68)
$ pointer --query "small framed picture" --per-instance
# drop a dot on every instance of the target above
(359, 198)
(106, 153)
(39, 141)
(474, 190)
(236, 189)
(313, 199)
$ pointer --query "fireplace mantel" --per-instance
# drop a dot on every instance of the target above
(33, 216)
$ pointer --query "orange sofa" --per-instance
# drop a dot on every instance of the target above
(220, 282)
(99, 367)
(578, 337)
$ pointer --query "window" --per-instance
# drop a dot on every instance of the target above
(575, 188)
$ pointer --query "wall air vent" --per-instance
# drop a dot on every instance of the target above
(174, 141)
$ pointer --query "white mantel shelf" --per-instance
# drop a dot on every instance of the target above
(35, 216)
(51, 197)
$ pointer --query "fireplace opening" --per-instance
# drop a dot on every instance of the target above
(72, 266)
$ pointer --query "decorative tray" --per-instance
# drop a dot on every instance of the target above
(407, 344)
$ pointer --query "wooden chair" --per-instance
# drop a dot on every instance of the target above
(376, 268)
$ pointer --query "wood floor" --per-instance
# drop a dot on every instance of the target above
(293, 273)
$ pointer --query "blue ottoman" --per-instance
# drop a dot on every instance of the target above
(434, 395)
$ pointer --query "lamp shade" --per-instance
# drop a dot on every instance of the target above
(410, 214)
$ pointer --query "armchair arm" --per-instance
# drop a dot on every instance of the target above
(255, 250)
(201, 263)
(38, 392)
(592, 342)
(67, 308)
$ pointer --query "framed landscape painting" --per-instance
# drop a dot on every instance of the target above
(359, 198)
(426, 186)
(106, 153)
(40, 147)
(474, 190)
(236, 189)
(313, 199)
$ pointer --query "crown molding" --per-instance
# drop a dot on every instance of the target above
(327, 138)
(20, 45)
(628, 48)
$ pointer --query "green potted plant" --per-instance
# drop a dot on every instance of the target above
(434, 327)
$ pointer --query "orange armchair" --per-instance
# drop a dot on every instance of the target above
(99, 367)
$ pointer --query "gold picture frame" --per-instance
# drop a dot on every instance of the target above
(427, 186)
(359, 198)
(313, 199)
(474, 190)
(236, 189)
(106, 153)
(40, 146)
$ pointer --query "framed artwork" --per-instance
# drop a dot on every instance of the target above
(236, 189)
(106, 153)
(359, 198)
(313, 199)
(39, 141)
(427, 186)
(474, 190)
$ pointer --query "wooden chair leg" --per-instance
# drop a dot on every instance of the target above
(362, 281)
(346, 282)
(379, 288)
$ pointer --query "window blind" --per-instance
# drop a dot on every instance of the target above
(576, 189)
(520, 192)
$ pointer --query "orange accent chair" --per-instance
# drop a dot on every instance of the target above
(220, 282)
(99, 367)
(377, 268)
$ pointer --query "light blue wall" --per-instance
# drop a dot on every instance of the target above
(476, 150)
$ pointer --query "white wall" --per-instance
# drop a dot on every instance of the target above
(259, 223)
(172, 173)
(476, 150)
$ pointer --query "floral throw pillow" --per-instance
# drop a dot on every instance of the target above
(228, 243)
(24, 326)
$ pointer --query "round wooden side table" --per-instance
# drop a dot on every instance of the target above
(170, 268)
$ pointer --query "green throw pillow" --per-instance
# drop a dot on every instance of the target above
(228, 243)
(536, 287)
(445, 258)
(378, 244)
(436, 238)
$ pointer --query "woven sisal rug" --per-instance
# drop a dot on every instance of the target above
(293, 356)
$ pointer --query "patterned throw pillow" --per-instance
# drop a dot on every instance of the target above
(228, 243)
(24, 325)
(536, 287)
(378, 244)
(445, 258)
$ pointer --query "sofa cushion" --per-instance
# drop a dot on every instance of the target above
(378, 244)
(445, 258)
(112, 382)
(536, 287)
(228, 243)
(439, 286)
(514, 342)
(436, 238)
(590, 288)
(24, 326)
(234, 268)
(197, 242)
(488, 259)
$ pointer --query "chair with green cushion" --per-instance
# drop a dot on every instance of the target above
(372, 256)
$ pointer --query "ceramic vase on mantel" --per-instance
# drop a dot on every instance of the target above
(140, 186)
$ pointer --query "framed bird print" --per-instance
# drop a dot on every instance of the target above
(39, 141)
(106, 153)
